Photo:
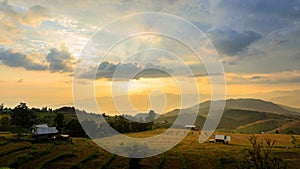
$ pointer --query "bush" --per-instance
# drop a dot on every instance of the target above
(261, 156)
(19, 130)
(290, 132)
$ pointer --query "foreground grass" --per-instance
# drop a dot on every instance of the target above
(84, 153)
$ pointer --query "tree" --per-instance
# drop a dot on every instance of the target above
(120, 124)
(22, 116)
(44, 109)
(90, 127)
(59, 121)
(151, 115)
(5, 123)
(1, 107)
(149, 119)
(73, 128)
(262, 156)
(290, 132)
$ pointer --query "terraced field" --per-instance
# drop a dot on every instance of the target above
(84, 153)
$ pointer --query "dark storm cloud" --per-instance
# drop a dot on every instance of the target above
(229, 41)
(12, 59)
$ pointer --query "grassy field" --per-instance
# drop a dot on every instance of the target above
(84, 153)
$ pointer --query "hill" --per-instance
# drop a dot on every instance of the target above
(290, 108)
(254, 105)
(247, 116)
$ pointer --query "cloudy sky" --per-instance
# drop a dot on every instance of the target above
(41, 43)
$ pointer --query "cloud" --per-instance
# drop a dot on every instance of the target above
(16, 21)
(287, 9)
(34, 16)
(8, 23)
(13, 59)
(20, 81)
(256, 77)
(109, 70)
(297, 56)
(60, 60)
(242, 29)
(229, 41)
(56, 61)
(30, 17)
(284, 77)
(208, 75)
(263, 16)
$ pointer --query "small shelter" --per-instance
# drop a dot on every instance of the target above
(191, 127)
(43, 131)
(222, 138)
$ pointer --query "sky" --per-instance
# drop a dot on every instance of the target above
(42, 43)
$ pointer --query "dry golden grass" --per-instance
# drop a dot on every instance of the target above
(243, 139)
(146, 133)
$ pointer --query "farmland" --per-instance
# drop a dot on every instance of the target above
(84, 153)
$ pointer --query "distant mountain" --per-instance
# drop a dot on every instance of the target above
(247, 116)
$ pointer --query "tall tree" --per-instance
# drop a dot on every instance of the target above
(149, 119)
(74, 129)
(90, 128)
(22, 116)
(5, 123)
(59, 121)
(1, 107)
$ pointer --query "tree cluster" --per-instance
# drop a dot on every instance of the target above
(24, 117)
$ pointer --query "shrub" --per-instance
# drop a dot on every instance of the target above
(161, 161)
(261, 156)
